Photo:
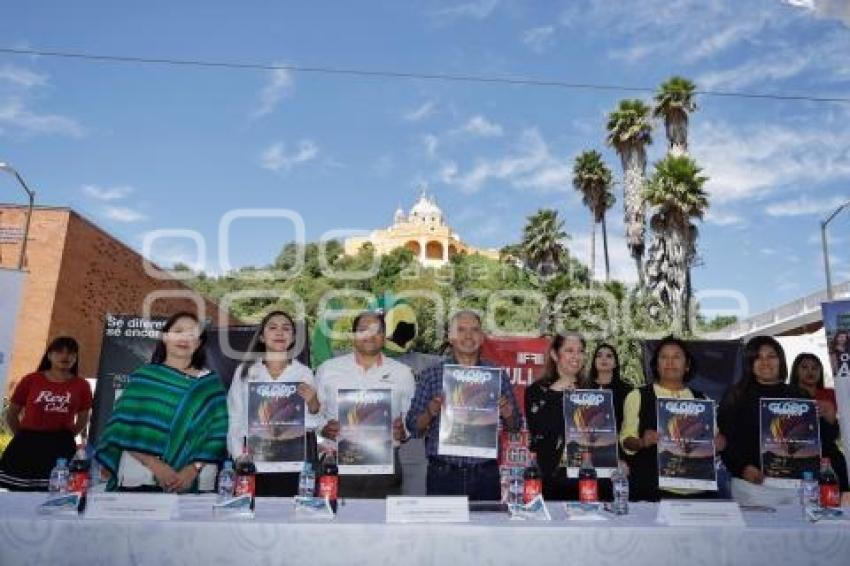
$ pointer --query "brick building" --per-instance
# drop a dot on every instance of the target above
(77, 273)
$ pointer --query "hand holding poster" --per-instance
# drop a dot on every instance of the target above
(686, 444)
(365, 442)
(276, 431)
(469, 422)
(790, 440)
(590, 425)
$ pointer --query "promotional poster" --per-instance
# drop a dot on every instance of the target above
(590, 425)
(836, 324)
(469, 421)
(790, 440)
(276, 431)
(686, 444)
(365, 442)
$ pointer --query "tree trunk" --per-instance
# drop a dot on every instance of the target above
(676, 127)
(634, 167)
(592, 249)
(605, 250)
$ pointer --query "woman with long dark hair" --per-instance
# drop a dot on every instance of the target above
(48, 408)
(807, 376)
(171, 419)
(544, 410)
(605, 374)
(671, 368)
(765, 374)
(270, 358)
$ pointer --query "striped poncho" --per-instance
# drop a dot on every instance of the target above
(165, 413)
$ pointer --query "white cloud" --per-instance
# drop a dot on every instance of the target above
(275, 157)
(107, 193)
(539, 39)
(15, 115)
(123, 214)
(476, 9)
(22, 77)
(425, 110)
(838, 9)
(530, 165)
(721, 218)
(750, 161)
(431, 143)
(280, 84)
(805, 205)
(479, 126)
(621, 262)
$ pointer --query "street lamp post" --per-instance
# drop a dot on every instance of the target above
(823, 226)
(31, 195)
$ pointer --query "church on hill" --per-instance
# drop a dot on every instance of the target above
(423, 231)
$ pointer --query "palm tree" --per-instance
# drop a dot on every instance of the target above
(542, 242)
(592, 178)
(676, 194)
(629, 132)
(674, 101)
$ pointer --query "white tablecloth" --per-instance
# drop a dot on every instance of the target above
(359, 536)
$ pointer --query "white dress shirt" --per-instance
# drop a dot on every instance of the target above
(343, 372)
(237, 398)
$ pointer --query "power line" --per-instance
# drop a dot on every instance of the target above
(403, 75)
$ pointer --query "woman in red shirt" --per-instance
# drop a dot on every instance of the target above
(47, 410)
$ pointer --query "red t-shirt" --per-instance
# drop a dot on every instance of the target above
(50, 406)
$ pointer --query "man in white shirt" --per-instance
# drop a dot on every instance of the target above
(366, 368)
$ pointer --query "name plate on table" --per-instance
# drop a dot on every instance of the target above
(150, 506)
(674, 513)
(427, 509)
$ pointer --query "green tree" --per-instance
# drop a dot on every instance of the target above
(674, 102)
(592, 178)
(542, 242)
(629, 132)
(676, 193)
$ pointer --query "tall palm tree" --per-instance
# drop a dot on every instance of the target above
(629, 132)
(592, 178)
(676, 194)
(542, 242)
(674, 101)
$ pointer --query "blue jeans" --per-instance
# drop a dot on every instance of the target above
(480, 482)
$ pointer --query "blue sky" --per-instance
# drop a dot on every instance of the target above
(144, 147)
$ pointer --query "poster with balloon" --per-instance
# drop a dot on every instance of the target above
(469, 421)
(590, 425)
(365, 442)
(686, 444)
(276, 430)
(790, 440)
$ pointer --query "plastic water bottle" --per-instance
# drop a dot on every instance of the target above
(516, 487)
(226, 481)
(809, 495)
(620, 484)
(58, 483)
(307, 481)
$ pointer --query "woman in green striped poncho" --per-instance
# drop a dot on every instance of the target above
(171, 418)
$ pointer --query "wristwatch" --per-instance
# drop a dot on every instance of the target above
(198, 466)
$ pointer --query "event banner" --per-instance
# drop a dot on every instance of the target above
(686, 444)
(365, 442)
(836, 323)
(469, 421)
(790, 440)
(11, 289)
(524, 359)
(128, 342)
(276, 431)
(590, 425)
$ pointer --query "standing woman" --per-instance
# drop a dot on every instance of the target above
(671, 368)
(171, 419)
(605, 374)
(270, 358)
(47, 410)
(544, 409)
(765, 373)
(807, 376)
